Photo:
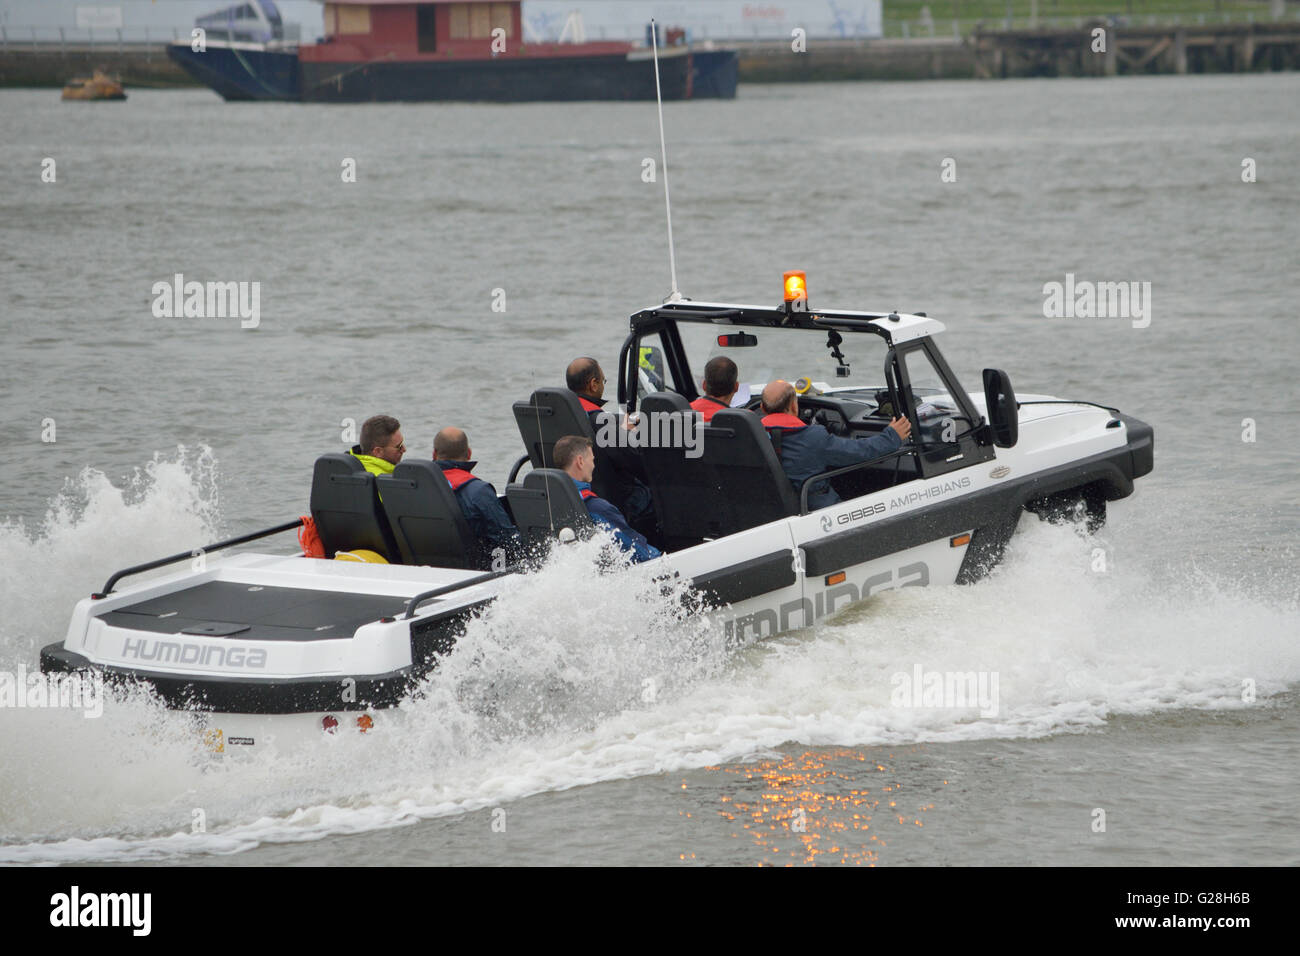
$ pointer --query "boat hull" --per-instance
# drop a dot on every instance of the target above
(331, 637)
(242, 73)
(245, 72)
(91, 97)
(714, 74)
(513, 80)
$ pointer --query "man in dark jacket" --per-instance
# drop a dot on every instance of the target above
(574, 455)
(478, 499)
(622, 474)
(808, 450)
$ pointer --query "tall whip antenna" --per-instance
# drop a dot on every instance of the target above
(674, 295)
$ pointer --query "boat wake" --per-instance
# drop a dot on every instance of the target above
(574, 678)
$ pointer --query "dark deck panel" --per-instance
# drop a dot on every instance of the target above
(270, 613)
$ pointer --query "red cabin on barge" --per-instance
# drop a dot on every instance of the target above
(387, 50)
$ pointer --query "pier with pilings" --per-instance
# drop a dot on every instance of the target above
(1123, 50)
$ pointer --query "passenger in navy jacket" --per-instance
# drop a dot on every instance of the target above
(808, 450)
(573, 453)
(478, 500)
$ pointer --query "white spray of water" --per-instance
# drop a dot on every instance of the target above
(574, 677)
(91, 529)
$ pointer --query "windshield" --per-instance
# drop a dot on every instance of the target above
(789, 354)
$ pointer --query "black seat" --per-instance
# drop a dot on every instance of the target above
(425, 517)
(737, 483)
(683, 488)
(546, 501)
(750, 469)
(549, 415)
(345, 506)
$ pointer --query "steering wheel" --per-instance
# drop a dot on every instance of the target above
(830, 417)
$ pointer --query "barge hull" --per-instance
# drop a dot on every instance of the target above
(516, 80)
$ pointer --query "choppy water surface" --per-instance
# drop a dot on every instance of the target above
(1120, 690)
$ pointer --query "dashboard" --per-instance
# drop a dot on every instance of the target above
(868, 410)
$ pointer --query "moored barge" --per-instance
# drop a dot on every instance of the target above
(469, 50)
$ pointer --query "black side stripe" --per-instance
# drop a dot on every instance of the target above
(990, 508)
(748, 579)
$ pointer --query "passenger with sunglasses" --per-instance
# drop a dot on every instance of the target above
(381, 446)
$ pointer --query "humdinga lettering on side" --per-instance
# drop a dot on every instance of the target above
(103, 909)
(167, 652)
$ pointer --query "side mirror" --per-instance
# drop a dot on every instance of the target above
(650, 362)
(1004, 414)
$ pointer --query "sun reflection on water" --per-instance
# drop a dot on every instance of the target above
(812, 808)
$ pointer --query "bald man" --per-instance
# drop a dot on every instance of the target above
(478, 500)
(807, 450)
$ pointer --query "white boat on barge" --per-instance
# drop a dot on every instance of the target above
(336, 644)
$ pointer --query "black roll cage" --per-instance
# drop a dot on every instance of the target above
(663, 320)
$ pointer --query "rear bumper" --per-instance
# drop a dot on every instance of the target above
(248, 695)
(1141, 446)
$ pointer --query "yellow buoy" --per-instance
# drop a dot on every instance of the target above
(365, 557)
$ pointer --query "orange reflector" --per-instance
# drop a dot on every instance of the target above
(836, 578)
(960, 541)
(365, 722)
(796, 286)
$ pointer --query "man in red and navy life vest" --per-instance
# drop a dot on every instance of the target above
(574, 454)
(721, 380)
(478, 499)
(622, 472)
(807, 450)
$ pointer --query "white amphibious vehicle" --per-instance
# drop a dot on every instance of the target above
(334, 642)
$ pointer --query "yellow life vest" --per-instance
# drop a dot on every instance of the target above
(376, 466)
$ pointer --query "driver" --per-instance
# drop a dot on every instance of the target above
(721, 379)
(807, 450)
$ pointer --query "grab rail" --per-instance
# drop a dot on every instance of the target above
(514, 470)
(807, 485)
(230, 542)
(419, 599)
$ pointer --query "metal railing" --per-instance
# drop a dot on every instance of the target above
(36, 39)
(914, 29)
(206, 549)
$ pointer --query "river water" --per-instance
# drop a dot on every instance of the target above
(1157, 685)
